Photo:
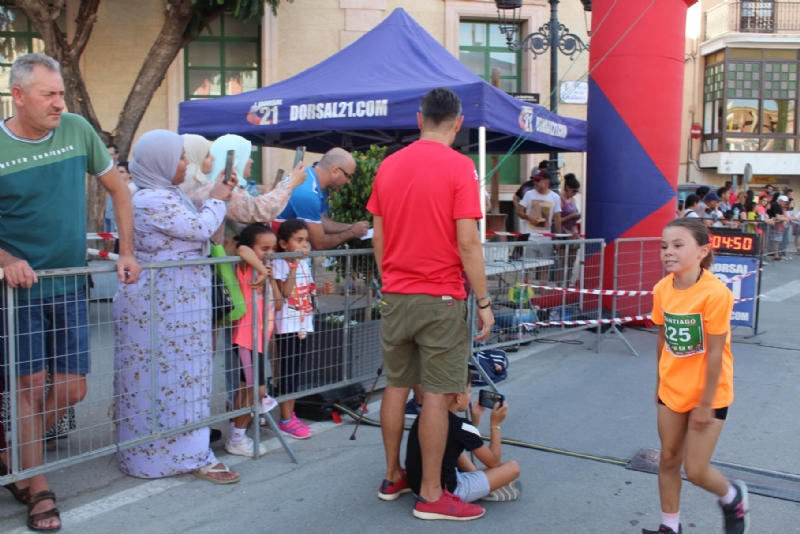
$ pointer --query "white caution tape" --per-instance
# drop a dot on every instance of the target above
(623, 293)
(618, 320)
(594, 291)
(102, 254)
(742, 276)
(105, 236)
(749, 299)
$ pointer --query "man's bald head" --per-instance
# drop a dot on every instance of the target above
(337, 157)
(335, 169)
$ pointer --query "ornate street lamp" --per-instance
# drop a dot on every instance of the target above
(552, 36)
(508, 17)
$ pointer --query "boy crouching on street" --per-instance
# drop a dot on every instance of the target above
(495, 482)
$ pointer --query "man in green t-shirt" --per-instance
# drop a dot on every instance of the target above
(45, 154)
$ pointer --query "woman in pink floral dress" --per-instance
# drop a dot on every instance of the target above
(168, 226)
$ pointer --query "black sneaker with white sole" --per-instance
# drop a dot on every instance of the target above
(663, 529)
(737, 513)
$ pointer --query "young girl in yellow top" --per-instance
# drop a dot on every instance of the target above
(694, 384)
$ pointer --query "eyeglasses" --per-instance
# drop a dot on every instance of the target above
(347, 174)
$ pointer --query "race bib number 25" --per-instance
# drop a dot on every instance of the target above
(684, 334)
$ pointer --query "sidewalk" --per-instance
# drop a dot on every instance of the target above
(560, 395)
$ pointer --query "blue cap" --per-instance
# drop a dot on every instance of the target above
(711, 197)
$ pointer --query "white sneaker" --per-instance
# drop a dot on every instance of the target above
(267, 404)
(244, 447)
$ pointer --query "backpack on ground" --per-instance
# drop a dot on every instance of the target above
(493, 362)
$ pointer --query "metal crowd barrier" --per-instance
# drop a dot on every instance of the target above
(538, 289)
(637, 269)
(152, 353)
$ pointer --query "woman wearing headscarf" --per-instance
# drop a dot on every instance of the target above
(242, 208)
(198, 152)
(167, 226)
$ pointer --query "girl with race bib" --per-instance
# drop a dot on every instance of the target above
(295, 320)
(694, 383)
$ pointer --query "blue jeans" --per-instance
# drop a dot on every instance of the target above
(787, 236)
(51, 332)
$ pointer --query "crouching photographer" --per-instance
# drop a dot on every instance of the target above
(497, 481)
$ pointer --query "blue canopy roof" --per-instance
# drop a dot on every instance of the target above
(369, 93)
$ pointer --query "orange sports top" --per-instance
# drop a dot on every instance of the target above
(243, 328)
(688, 317)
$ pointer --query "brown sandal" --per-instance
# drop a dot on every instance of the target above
(21, 495)
(53, 512)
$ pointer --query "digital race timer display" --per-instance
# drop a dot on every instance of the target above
(733, 242)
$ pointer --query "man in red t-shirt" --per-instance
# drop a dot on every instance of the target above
(425, 203)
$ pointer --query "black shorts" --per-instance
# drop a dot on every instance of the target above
(719, 413)
(291, 353)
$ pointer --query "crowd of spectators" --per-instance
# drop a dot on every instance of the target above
(174, 205)
(770, 213)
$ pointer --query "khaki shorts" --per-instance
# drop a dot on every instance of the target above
(542, 250)
(425, 341)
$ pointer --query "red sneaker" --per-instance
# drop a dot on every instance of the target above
(391, 490)
(449, 506)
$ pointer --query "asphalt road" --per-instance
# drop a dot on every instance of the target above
(560, 395)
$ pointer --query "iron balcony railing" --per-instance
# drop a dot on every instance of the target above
(752, 17)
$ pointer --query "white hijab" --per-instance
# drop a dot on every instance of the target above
(219, 150)
(197, 148)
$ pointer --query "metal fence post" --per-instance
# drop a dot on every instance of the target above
(641, 271)
(582, 275)
(348, 270)
(564, 284)
(256, 390)
(255, 360)
(11, 333)
(616, 279)
(600, 297)
(472, 316)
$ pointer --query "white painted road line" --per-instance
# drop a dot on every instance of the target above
(154, 487)
(786, 291)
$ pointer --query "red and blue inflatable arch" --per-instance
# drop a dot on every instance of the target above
(634, 118)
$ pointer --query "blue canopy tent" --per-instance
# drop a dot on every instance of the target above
(369, 93)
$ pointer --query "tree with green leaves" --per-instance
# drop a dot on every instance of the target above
(349, 205)
(183, 22)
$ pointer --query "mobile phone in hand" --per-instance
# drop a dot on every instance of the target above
(298, 155)
(278, 178)
(488, 399)
(229, 165)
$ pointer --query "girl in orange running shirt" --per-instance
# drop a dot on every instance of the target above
(694, 383)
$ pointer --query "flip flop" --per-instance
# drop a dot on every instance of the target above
(21, 495)
(203, 473)
(53, 512)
